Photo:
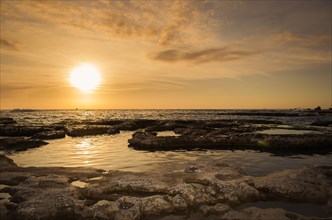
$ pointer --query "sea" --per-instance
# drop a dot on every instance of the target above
(111, 152)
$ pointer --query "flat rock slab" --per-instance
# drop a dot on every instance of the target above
(19, 143)
(5, 121)
(218, 140)
(48, 135)
(212, 190)
(84, 130)
(22, 130)
(254, 213)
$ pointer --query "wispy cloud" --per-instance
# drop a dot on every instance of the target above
(4, 44)
(203, 56)
(119, 19)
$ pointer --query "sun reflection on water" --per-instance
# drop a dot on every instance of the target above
(85, 150)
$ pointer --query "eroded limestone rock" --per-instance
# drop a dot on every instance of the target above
(211, 189)
(254, 213)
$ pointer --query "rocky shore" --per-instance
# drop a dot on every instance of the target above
(202, 191)
(254, 134)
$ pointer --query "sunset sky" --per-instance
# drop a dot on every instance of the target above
(167, 54)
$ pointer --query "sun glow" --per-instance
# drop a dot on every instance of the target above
(85, 77)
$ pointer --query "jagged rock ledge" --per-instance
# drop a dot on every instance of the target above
(210, 191)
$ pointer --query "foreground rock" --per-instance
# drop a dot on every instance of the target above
(19, 143)
(256, 213)
(211, 190)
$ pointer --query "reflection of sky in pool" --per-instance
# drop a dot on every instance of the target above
(112, 152)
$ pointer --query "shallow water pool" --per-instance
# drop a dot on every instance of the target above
(112, 152)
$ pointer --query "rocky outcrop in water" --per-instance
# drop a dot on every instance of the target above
(192, 134)
(219, 139)
(22, 130)
(19, 143)
(212, 191)
(5, 121)
(321, 123)
(48, 135)
(84, 130)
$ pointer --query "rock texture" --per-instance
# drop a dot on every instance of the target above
(19, 143)
(191, 134)
(211, 191)
(5, 121)
(48, 135)
(84, 130)
(218, 139)
(256, 213)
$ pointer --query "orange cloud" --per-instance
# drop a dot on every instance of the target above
(203, 56)
(4, 44)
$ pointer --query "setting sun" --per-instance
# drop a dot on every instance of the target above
(85, 77)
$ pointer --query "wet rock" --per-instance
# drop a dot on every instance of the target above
(179, 203)
(84, 130)
(256, 213)
(198, 138)
(54, 181)
(131, 213)
(55, 204)
(318, 108)
(5, 121)
(103, 209)
(132, 125)
(321, 123)
(145, 140)
(6, 162)
(166, 125)
(154, 206)
(22, 130)
(102, 122)
(19, 143)
(48, 135)
(217, 209)
(271, 113)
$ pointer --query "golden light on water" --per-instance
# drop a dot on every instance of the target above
(85, 77)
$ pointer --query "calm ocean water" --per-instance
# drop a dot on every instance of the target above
(303, 117)
(112, 152)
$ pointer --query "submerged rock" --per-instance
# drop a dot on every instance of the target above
(210, 189)
(84, 130)
(19, 143)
